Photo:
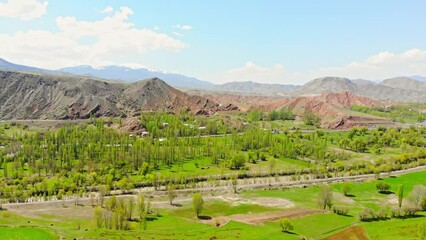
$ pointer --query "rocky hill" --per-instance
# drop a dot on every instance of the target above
(326, 85)
(394, 90)
(334, 109)
(329, 104)
(405, 83)
(41, 96)
(154, 94)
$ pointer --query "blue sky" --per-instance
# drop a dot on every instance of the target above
(264, 41)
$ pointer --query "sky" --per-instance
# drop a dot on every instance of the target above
(268, 41)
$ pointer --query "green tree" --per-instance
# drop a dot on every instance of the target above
(101, 194)
(111, 203)
(234, 183)
(383, 187)
(286, 225)
(171, 192)
(98, 217)
(400, 195)
(197, 203)
(130, 207)
(141, 205)
(236, 161)
(309, 118)
(346, 188)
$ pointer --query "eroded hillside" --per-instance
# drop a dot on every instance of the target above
(39, 96)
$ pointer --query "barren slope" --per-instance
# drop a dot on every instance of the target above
(395, 90)
(40, 96)
(155, 94)
(32, 96)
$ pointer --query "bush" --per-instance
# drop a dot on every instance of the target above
(368, 214)
(415, 197)
(6, 214)
(286, 225)
(346, 188)
(236, 161)
(341, 210)
(364, 215)
(396, 213)
(410, 211)
(382, 214)
(383, 187)
(423, 203)
(309, 118)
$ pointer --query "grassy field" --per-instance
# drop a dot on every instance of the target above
(235, 210)
(180, 222)
(23, 233)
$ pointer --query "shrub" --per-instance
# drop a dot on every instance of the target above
(415, 197)
(423, 203)
(364, 215)
(236, 161)
(6, 214)
(341, 210)
(368, 214)
(309, 118)
(346, 188)
(383, 187)
(410, 211)
(382, 214)
(286, 225)
(396, 213)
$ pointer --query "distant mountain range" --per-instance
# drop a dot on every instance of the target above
(116, 73)
(419, 78)
(5, 65)
(132, 75)
(399, 89)
(402, 89)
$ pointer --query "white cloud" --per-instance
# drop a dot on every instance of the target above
(383, 65)
(107, 10)
(114, 39)
(380, 66)
(252, 72)
(177, 34)
(23, 9)
(183, 27)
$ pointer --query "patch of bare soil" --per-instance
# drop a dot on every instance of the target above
(260, 218)
(56, 212)
(352, 233)
(391, 199)
(263, 201)
(343, 199)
